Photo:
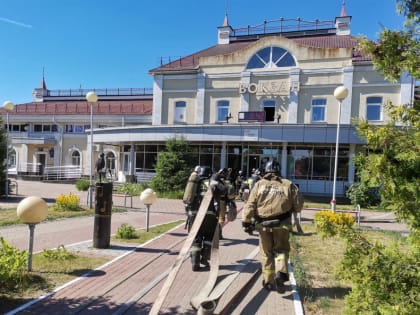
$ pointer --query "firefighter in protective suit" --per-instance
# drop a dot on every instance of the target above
(193, 196)
(269, 210)
(201, 246)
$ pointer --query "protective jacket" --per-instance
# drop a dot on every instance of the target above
(271, 197)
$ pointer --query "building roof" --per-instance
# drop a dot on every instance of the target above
(191, 62)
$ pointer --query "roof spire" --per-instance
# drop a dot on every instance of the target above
(226, 21)
(343, 8)
(43, 85)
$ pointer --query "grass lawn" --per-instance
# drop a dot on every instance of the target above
(316, 259)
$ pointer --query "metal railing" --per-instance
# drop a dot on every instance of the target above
(101, 92)
(65, 172)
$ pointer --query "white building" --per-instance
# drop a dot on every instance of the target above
(261, 92)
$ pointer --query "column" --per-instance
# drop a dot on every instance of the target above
(201, 89)
(292, 113)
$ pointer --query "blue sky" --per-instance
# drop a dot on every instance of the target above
(113, 44)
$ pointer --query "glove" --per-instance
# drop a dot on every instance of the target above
(248, 227)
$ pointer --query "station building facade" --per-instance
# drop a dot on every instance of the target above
(261, 92)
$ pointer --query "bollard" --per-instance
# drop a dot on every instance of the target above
(103, 207)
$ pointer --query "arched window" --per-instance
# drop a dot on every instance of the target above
(75, 158)
(271, 57)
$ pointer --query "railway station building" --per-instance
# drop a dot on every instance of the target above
(260, 92)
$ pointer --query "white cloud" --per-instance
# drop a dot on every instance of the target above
(15, 22)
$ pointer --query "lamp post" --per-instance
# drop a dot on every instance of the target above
(8, 106)
(91, 98)
(340, 93)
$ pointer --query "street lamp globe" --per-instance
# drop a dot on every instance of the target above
(91, 97)
(8, 106)
(340, 93)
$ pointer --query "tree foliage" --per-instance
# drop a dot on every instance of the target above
(173, 167)
(386, 280)
(393, 161)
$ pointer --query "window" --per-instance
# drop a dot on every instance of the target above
(374, 108)
(271, 57)
(269, 109)
(75, 158)
(222, 110)
(180, 108)
(318, 109)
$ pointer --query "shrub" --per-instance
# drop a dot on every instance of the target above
(363, 195)
(126, 231)
(133, 189)
(68, 202)
(61, 253)
(13, 264)
(82, 184)
(329, 223)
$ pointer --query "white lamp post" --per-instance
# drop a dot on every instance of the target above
(91, 98)
(148, 197)
(340, 93)
(8, 106)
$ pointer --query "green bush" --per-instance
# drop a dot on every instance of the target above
(13, 263)
(360, 194)
(61, 253)
(82, 184)
(126, 231)
(132, 189)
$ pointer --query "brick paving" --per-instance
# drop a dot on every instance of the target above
(130, 281)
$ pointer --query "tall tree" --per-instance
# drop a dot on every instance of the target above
(393, 162)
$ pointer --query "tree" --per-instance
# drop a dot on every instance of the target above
(393, 161)
(173, 167)
(386, 280)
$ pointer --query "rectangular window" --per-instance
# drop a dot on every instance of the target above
(222, 110)
(374, 108)
(318, 109)
(180, 108)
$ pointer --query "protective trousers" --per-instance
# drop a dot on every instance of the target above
(201, 247)
(274, 251)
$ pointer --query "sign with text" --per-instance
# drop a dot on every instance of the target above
(251, 116)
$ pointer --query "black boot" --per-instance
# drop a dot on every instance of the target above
(280, 279)
(195, 260)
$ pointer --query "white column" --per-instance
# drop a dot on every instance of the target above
(157, 100)
(407, 88)
(284, 160)
(223, 156)
(201, 91)
(352, 166)
(346, 105)
(244, 97)
(292, 112)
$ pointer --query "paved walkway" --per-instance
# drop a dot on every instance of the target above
(130, 283)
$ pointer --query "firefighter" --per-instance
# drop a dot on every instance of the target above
(194, 192)
(201, 247)
(221, 178)
(269, 210)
